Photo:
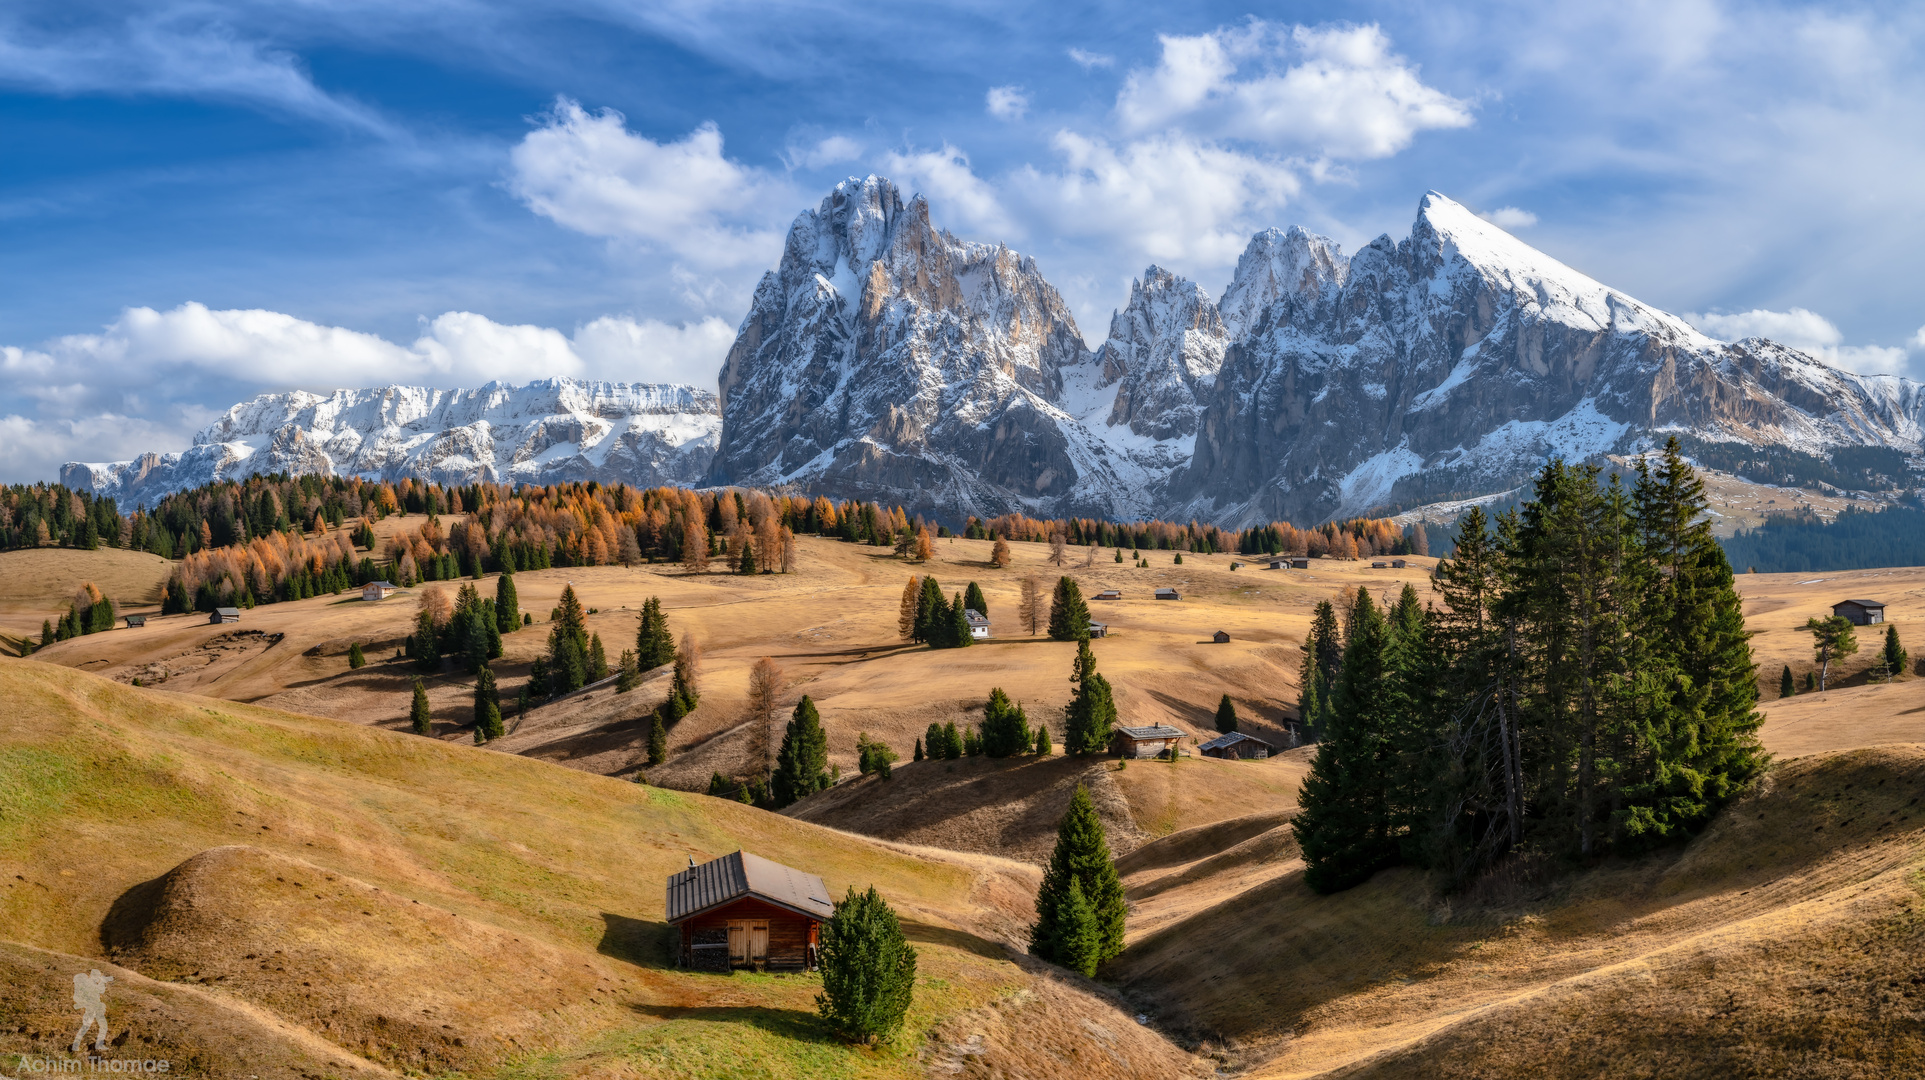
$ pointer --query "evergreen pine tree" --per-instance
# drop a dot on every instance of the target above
(974, 600)
(539, 685)
(720, 787)
(1896, 659)
(1226, 716)
(868, 969)
(1092, 709)
(654, 642)
(597, 658)
(1082, 854)
(932, 614)
(1043, 749)
(1786, 687)
(657, 739)
(487, 706)
(631, 673)
(1078, 944)
(1343, 827)
(802, 764)
(918, 756)
(1005, 728)
(568, 656)
(1811, 681)
(1068, 614)
(958, 635)
(419, 714)
(952, 742)
(356, 658)
(932, 741)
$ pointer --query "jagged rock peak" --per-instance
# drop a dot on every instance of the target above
(1281, 264)
(1163, 349)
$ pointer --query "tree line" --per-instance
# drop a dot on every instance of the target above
(1798, 542)
(1585, 687)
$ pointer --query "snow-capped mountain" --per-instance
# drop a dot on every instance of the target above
(550, 431)
(887, 359)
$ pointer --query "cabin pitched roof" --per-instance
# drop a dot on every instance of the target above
(1231, 739)
(1861, 603)
(974, 617)
(1153, 731)
(741, 874)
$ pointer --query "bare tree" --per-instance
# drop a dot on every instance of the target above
(766, 680)
(1089, 555)
(688, 664)
(1030, 612)
(1057, 549)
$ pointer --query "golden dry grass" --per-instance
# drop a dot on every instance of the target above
(516, 902)
(38, 583)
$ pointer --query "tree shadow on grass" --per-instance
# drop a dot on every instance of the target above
(635, 941)
(961, 940)
(785, 1023)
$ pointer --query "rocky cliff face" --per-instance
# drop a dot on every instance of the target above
(551, 431)
(1455, 362)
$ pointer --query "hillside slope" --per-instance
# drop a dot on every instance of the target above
(426, 906)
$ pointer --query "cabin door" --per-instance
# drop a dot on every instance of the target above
(738, 943)
(759, 943)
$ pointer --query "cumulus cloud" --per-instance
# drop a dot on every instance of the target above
(589, 173)
(1089, 60)
(139, 384)
(1510, 217)
(945, 177)
(1334, 91)
(1807, 331)
(828, 151)
(1006, 102)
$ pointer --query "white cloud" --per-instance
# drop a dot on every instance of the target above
(1006, 102)
(1334, 91)
(1807, 331)
(944, 176)
(1510, 217)
(653, 351)
(1918, 339)
(828, 151)
(589, 173)
(1088, 60)
(1165, 197)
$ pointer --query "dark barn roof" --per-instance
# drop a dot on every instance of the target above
(1861, 603)
(1231, 739)
(738, 875)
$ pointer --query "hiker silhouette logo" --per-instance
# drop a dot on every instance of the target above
(87, 991)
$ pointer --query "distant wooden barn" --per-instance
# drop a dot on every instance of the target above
(1145, 742)
(224, 615)
(1108, 594)
(1097, 629)
(1380, 565)
(1236, 745)
(378, 590)
(1862, 612)
(1277, 562)
(744, 911)
(1299, 564)
(1168, 594)
(135, 622)
(1221, 637)
(1398, 564)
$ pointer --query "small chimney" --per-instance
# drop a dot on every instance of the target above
(691, 862)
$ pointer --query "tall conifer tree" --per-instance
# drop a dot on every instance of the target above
(1344, 826)
(1092, 708)
(1082, 855)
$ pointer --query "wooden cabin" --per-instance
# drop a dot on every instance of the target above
(1236, 745)
(1380, 565)
(1097, 629)
(1299, 564)
(1168, 594)
(378, 590)
(1862, 612)
(1145, 742)
(135, 622)
(1398, 564)
(1277, 562)
(1108, 594)
(1221, 637)
(224, 615)
(744, 911)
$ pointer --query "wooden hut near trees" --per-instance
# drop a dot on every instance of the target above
(743, 910)
(1236, 745)
(1145, 742)
(1861, 612)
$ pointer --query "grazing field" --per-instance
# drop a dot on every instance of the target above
(310, 893)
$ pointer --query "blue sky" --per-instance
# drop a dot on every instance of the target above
(202, 201)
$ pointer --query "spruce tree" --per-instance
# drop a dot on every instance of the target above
(868, 969)
(973, 599)
(932, 614)
(1068, 614)
(802, 764)
(1811, 681)
(568, 657)
(654, 642)
(487, 706)
(1092, 709)
(356, 658)
(1078, 944)
(1005, 728)
(1786, 687)
(1895, 656)
(1321, 658)
(419, 714)
(630, 672)
(918, 756)
(958, 635)
(933, 743)
(1343, 827)
(507, 604)
(597, 658)
(1043, 749)
(657, 740)
(952, 742)
(1226, 716)
(1082, 855)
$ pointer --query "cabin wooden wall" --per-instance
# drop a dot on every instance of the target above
(792, 937)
